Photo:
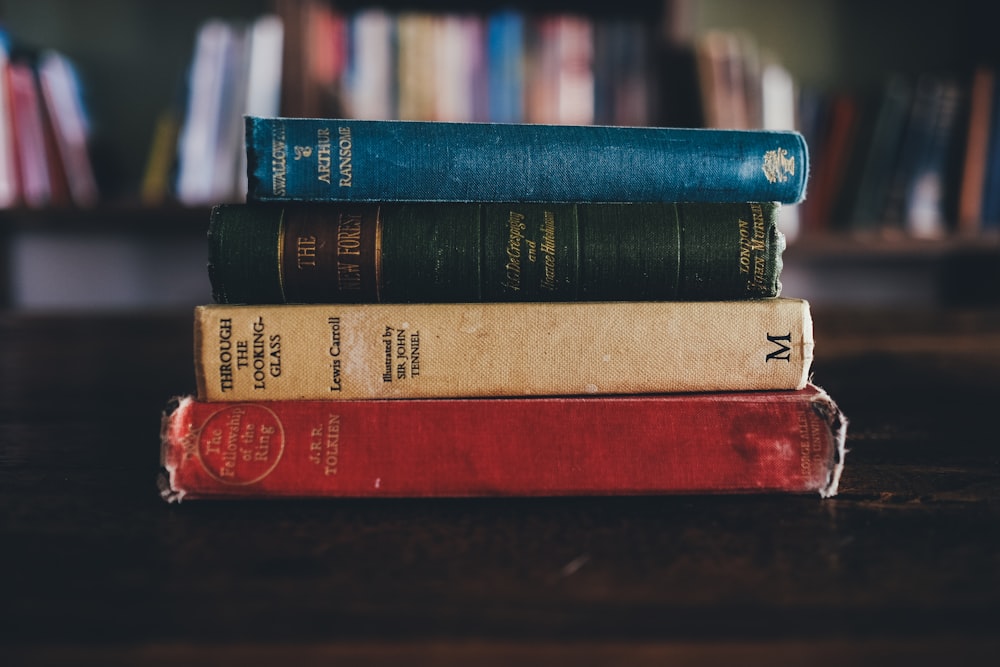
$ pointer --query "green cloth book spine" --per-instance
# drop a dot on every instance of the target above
(313, 159)
(478, 252)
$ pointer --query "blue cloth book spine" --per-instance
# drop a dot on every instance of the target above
(311, 159)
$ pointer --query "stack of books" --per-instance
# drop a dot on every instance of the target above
(409, 309)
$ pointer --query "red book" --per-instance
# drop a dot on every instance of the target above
(67, 130)
(29, 135)
(739, 442)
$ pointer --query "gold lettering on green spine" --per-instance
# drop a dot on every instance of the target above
(730, 251)
(759, 245)
(336, 262)
(281, 262)
(430, 252)
(549, 250)
(515, 239)
(378, 254)
(755, 249)
(529, 252)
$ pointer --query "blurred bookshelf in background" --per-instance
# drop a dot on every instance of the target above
(905, 157)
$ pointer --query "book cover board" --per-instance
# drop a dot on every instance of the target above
(427, 350)
(742, 442)
(384, 160)
(349, 252)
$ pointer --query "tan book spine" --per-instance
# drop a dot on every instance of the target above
(290, 352)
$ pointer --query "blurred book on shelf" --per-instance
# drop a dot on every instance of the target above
(44, 130)
(561, 71)
(67, 118)
(235, 70)
(981, 100)
(313, 58)
(34, 186)
(894, 162)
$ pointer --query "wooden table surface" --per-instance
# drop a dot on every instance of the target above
(904, 565)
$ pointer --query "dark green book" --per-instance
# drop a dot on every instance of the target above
(334, 252)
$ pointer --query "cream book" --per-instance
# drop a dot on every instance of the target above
(288, 352)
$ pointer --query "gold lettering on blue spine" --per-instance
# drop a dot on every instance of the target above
(345, 146)
(279, 157)
(323, 160)
(778, 166)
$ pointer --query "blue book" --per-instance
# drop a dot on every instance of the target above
(505, 51)
(991, 191)
(312, 159)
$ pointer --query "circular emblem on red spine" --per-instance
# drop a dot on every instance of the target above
(241, 444)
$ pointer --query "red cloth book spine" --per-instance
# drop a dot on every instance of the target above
(787, 441)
